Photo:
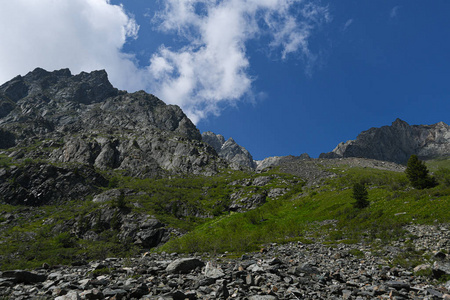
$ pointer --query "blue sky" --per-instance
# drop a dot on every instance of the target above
(281, 78)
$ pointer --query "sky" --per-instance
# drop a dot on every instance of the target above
(282, 77)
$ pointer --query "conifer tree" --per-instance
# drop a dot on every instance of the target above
(417, 173)
(361, 195)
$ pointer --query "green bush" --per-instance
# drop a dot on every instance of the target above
(120, 202)
(442, 176)
(65, 240)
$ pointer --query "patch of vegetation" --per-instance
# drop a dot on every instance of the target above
(357, 253)
(308, 215)
(101, 271)
(409, 259)
(34, 237)
(188, 201)
(5, 161)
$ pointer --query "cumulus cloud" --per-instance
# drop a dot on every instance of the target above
(213, 68)
(208, 70)
(82, 35)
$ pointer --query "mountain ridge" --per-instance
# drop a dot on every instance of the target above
(84, 119)
(397, 142)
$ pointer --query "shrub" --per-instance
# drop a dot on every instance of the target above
(442, 175)
(65, 240)
(120, 201)
(113, 183)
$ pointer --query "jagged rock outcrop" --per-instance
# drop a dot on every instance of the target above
(229, 149)
(39, 184)
(65, 118)
(137, 228)
(277, 160)
(396, 143)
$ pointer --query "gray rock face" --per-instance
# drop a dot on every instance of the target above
(38, 184)
(229, 150)
(277, 160)
(84, 119)
(137, 228)
(396, 143)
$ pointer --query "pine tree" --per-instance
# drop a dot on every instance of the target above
(417, 173)
(361, 195)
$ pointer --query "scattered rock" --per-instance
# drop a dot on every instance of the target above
(288, 271)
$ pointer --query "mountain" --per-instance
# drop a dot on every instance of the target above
(64, 130)
(396, 143)
(84, 119)
(229, 150)
(90, 175)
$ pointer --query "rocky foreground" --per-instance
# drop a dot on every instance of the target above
(290, 271)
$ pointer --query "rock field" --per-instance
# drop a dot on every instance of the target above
(290, 271)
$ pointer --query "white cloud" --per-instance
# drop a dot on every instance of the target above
(82, 35)
(394, 11)
(347, 24)
(214, 67)
(209, 71)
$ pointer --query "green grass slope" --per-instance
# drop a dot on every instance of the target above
(197, 206)
(326, 214)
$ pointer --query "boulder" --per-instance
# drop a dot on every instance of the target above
(21, 276)
(184, 265)
(441, 268)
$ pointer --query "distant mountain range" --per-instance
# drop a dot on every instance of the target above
(83, 119)
(396, 143)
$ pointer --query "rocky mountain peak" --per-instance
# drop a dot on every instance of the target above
(214, 140)
(396, 143)
(229, 149)
(86, 88)
(82, 118)
(398, 123)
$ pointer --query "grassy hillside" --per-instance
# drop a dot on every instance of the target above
(325, 213)
(198, 206)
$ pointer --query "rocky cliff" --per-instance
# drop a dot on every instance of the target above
(83, 119)
(229, 150)
(59, 131)
(396, 143)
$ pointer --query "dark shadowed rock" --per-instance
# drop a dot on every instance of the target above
(441, 268)
(7, 139)
(21, 276)
(38, 184)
